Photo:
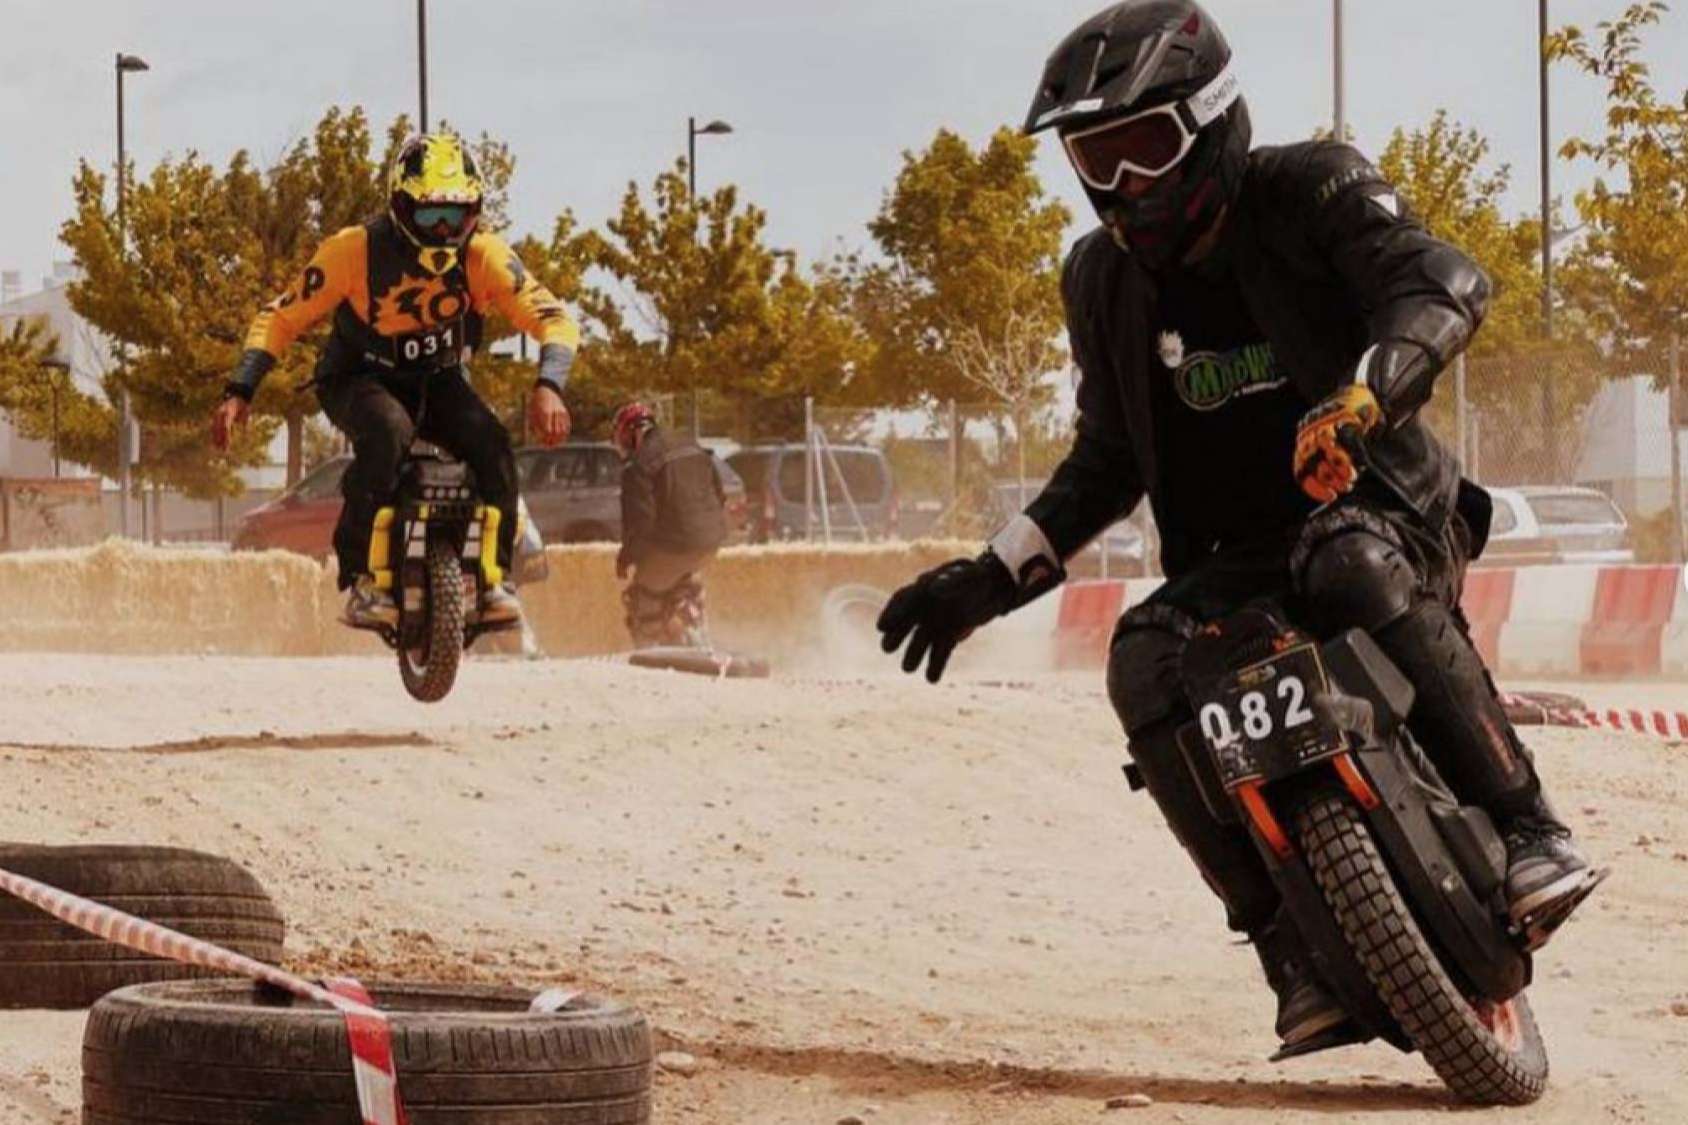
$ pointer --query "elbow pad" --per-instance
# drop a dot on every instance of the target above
(555, 362)
(1400, 375)
(1022, 547)
(255, 363)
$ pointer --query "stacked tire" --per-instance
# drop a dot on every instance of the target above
(47, 964)
(237, 1053)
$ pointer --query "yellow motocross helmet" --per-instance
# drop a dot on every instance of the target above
(434, 196)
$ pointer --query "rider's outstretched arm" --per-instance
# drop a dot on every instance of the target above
(320, 286)
(498, 278)
(1099, 481)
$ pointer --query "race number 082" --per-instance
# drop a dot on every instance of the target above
(1258, 722)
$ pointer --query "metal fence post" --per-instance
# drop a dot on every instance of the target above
(808, 466)
(1679, 543)
(1462, 407)
(954, 455)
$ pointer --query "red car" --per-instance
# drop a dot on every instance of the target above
(301, 519)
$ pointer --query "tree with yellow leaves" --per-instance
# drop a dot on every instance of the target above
(966, 301)
(1631, 272)
(694, 301)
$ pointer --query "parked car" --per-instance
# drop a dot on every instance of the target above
(574, 492)
(572, 495)
(774, 480)
(301, 519)
(1553, 524)
(1127, 548)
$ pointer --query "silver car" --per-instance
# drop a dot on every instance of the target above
(1556, 524)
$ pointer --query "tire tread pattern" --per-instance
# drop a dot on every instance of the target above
(1400, 962)
(45, 963)
(432, 682)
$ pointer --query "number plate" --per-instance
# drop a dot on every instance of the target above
(1261, 724)
(430, 348)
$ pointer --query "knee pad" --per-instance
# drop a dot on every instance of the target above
(1356, 578)
(1144, 660)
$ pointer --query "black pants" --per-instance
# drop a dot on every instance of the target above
(1358, 564)
(378, 414)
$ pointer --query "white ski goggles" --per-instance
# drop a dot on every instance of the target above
(1150, 143)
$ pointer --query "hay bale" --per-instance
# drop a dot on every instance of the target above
(120, 596)
(123, 597)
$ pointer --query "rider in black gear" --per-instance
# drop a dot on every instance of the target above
(1256, 332)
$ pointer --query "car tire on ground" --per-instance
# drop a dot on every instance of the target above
(237, 1053)
(700, 662)
(47, 964)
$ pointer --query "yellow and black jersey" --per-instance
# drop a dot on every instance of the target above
(392, 315)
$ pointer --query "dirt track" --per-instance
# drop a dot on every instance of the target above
(941, 903)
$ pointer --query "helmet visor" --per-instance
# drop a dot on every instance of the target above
(1148, 144)
(442, 220)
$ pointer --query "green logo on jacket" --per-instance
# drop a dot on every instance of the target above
(1208, 380)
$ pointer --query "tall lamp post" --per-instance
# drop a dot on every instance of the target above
(713, 129)
(1339, 116)
(126, 423)
(1550, 440)
(60, 371)
(422, 59)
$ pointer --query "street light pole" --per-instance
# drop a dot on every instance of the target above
(1340, 121)
(1550, 441)
(422, 59)
(126, 423)
(714, 128)
(60, 369)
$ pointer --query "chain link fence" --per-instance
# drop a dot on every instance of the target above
(1545, 431)
(1542, 431)
(1533, 427)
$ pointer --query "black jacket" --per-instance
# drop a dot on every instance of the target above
(671, 498)
(1329, 263)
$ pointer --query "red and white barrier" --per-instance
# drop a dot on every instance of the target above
(1632, 606)
(1673, 642)
(1528, 622)
(1541, 635)
(367, 1029)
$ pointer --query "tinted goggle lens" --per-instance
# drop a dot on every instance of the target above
(1149, 145)
(452, 215)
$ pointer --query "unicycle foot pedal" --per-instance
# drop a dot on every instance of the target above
(1535, 928)
(1345, 1034)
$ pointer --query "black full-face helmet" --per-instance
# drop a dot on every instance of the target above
(1145, 91)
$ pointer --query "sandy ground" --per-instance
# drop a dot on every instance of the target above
(850, 896)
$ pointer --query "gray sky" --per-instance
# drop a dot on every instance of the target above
(825, 95)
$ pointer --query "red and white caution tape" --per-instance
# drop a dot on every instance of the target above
(367, 1028)
(1665, 724)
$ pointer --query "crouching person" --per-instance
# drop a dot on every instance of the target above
(673, 520)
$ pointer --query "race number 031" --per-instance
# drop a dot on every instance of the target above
(428, 345)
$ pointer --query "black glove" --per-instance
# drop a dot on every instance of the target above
(942, 607)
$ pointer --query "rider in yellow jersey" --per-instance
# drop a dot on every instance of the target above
(407, 292)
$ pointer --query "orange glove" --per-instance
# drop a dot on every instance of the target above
(1323, 467)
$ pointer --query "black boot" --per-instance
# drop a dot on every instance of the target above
(1547, 877)
(1305, 1007)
